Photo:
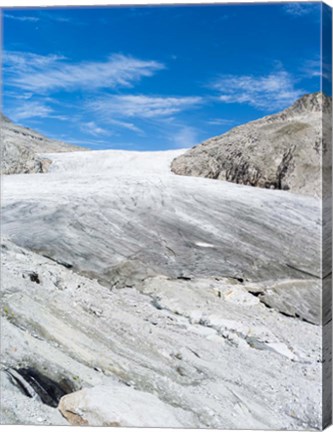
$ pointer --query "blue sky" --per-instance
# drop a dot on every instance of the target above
(151, 78)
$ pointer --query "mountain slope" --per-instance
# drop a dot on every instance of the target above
(281, 151)
(20, 149)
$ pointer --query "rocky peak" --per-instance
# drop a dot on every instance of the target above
(313, 102)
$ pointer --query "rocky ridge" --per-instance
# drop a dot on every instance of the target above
(284, 151)
(22, 148)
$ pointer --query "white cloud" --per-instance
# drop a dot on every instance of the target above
(19, 64)
(93, 129)
(125, 125)
(220, 122)
(54, 16)
(30, 109)
(18, 95)
(300, 9)
(22, 18)
(141, 106)
(43, 74)
(312, 68)
(270, 92)
(317, 68)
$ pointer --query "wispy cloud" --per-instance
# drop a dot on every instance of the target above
(93, 129)
(141, 106)
(20, 64)
(22, 18)
(34, 109)
(124, 125)
(220, 122)
(54, 16)
(30, 109)
(269, 92)
(317, 68)
(18, 95)
(50, 73)
(42, 15)
(312, 68)
(300, 9)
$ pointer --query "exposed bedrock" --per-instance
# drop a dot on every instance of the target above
(284, 151)
(176, 343)
(22, 149)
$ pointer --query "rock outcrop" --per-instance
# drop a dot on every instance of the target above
(22, 149)
(150, 355)
(119, 405)
(282, 151)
